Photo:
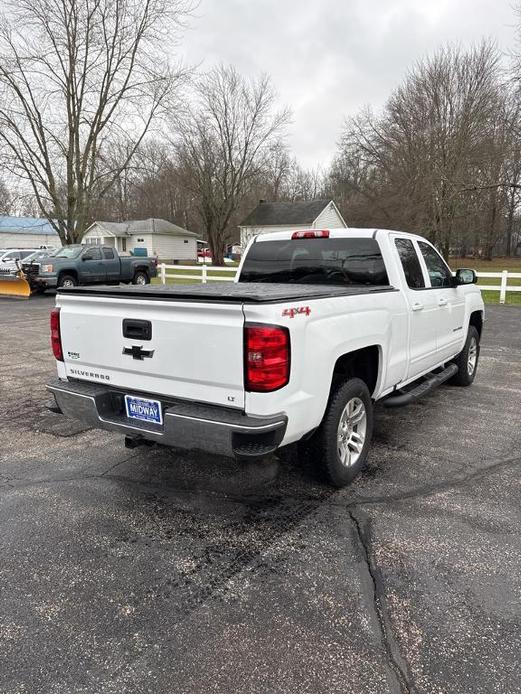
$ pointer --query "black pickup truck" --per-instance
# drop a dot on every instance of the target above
(80, 265)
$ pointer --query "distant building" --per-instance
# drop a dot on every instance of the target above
(159, 237)
(27, 232)
(282, 216)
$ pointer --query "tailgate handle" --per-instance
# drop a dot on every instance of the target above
(137, 329)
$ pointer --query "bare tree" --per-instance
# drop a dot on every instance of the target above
(76, 76)
(442, 137)
(6, 199)
(223, 146)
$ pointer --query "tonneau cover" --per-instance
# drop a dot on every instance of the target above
(229, 292)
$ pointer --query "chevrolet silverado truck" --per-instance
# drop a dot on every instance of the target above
(76, 265)
(318, 326)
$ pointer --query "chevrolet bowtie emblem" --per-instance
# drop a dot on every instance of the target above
(137, 352)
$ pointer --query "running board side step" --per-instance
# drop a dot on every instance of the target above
(405, 397)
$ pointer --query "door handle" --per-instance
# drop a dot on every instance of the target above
(442, 302)
(417, 306)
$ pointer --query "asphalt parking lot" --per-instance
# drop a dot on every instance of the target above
(157, 571)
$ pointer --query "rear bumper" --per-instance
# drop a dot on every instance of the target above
(186, 425)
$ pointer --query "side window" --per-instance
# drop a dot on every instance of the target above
(108, 254)
(92, 254)
(410, 263)
(438, 271)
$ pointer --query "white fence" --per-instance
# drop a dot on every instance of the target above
(198, 273)
(204, 273)
(503, 287)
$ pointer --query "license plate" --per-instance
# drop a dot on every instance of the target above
(143, 409)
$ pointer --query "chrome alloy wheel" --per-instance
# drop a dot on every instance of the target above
(472, 356)
(351, 432)
(68, 284)
(141, 280)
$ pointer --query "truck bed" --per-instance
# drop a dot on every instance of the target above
(228, 292)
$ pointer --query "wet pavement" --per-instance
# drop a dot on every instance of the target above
(158, 571)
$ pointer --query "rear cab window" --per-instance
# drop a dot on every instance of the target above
(336, 261)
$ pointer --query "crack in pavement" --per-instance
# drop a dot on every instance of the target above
(418, 492)
(400, 677)
(444, 485)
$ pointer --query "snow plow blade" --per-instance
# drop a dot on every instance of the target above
(15, 287)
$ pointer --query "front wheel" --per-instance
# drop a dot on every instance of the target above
(140, 278)
(467, 360)
(67, 281)
(340, 445)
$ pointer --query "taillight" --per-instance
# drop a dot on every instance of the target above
(311, 234)
(56, 339)
(266, 356)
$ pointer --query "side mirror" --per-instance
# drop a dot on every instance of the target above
(465, 276)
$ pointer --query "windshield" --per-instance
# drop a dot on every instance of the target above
(41, 254)
(69, 252)
(340, 261)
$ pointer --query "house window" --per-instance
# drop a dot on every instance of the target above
(185, 241)
(123, 245)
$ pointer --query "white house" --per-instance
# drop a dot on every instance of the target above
(281, 216)
(159, 237)
(27, 232)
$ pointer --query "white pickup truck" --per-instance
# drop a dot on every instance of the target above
(317, 327)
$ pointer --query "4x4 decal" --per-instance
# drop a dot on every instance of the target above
(292, 312)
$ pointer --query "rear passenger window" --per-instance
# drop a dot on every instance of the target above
(410, 263)
(108, 254)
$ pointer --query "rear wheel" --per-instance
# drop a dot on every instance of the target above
(140, 278)
(67, 281)
(340, 445)
(467, 360)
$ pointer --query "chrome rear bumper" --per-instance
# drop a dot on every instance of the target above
(186, 425)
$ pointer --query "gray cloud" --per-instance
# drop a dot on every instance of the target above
(330, 58)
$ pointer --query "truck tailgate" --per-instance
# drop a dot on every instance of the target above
(194, 352)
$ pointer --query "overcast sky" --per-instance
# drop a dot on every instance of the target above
(330, 57)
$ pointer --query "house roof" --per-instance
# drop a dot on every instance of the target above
(143, 226)
(284, 213)
(26, 225)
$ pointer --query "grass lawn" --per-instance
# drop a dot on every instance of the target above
(494, 265)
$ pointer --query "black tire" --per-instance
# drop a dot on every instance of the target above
(466, 367)
(141, 277)
(67, 281)
(324, 445)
